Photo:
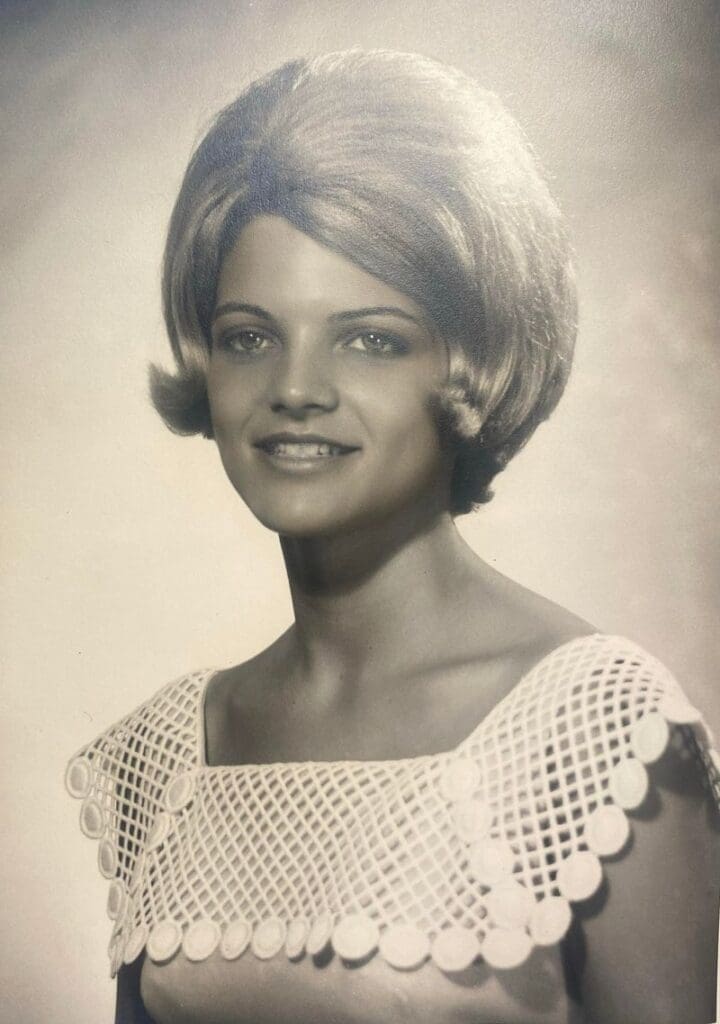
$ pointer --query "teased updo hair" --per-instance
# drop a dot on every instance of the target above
(416, 174)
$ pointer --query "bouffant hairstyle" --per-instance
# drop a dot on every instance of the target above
(411, 170)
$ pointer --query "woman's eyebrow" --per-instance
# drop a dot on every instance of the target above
(345, 315)
(358, 314)
(241, 307)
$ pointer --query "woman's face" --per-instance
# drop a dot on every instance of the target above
(322, 385)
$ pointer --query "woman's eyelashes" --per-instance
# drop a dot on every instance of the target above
(376, 343)
(248, 342)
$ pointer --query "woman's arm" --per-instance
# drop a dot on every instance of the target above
(129, 1007)
(646, 950)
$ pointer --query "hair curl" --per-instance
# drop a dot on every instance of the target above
(411, 170)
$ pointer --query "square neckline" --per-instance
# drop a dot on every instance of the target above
(357, 763)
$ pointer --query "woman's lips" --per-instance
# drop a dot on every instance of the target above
(295, 450)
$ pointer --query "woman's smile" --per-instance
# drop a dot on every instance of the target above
(303, 452)
(323, 385)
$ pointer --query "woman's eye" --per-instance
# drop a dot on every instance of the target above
(245, 342)
(377, 343)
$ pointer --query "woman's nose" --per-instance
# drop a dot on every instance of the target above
(302, 383)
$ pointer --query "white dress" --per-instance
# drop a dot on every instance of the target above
(477, 852)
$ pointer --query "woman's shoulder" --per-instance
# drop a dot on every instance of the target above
(612, 679)
(608, 703)
(553, 659)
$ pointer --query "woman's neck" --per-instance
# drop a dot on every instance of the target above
(367, 602)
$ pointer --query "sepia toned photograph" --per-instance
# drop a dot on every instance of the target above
(361, 565)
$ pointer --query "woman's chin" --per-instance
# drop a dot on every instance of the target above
(303, 521)
(340, 514)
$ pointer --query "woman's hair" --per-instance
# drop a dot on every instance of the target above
(411, 170)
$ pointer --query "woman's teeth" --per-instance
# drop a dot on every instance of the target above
(303, 449)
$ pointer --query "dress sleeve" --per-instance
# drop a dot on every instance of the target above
(121, 779)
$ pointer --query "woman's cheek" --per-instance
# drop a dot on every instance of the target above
(229, 407)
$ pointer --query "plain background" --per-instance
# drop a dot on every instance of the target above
(127, 559)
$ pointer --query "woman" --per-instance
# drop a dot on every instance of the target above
(399, 809)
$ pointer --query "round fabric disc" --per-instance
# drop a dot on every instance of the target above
(201, 940)
(579, 876)
(460, 779)
(180, 792)
(92, 818)
(355, 936)
(297, 933)
(116, 957)
(107, 859)
(158, 832)
(491, 861)
(650, 737)
(164, 941)
(455, 949)
(629, 783)
(607, 830)
(117, 930)
(550, 920)
(679, 711)
(268, 938)
(235, 939)
(135, 944)
(510, 904)
(404, 947)
(505, 948)
(115, 899)
(319, 934)
(78, 777)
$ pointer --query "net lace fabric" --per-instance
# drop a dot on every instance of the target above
(477, 851)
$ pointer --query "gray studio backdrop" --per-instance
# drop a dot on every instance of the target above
(127, 558)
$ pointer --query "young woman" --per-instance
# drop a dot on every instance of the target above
(416, 803)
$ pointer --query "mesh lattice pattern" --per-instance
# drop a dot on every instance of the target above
(529, 800)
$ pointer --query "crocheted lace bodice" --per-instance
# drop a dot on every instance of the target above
(480, 851)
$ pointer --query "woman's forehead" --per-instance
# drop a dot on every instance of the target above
(275, 265)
